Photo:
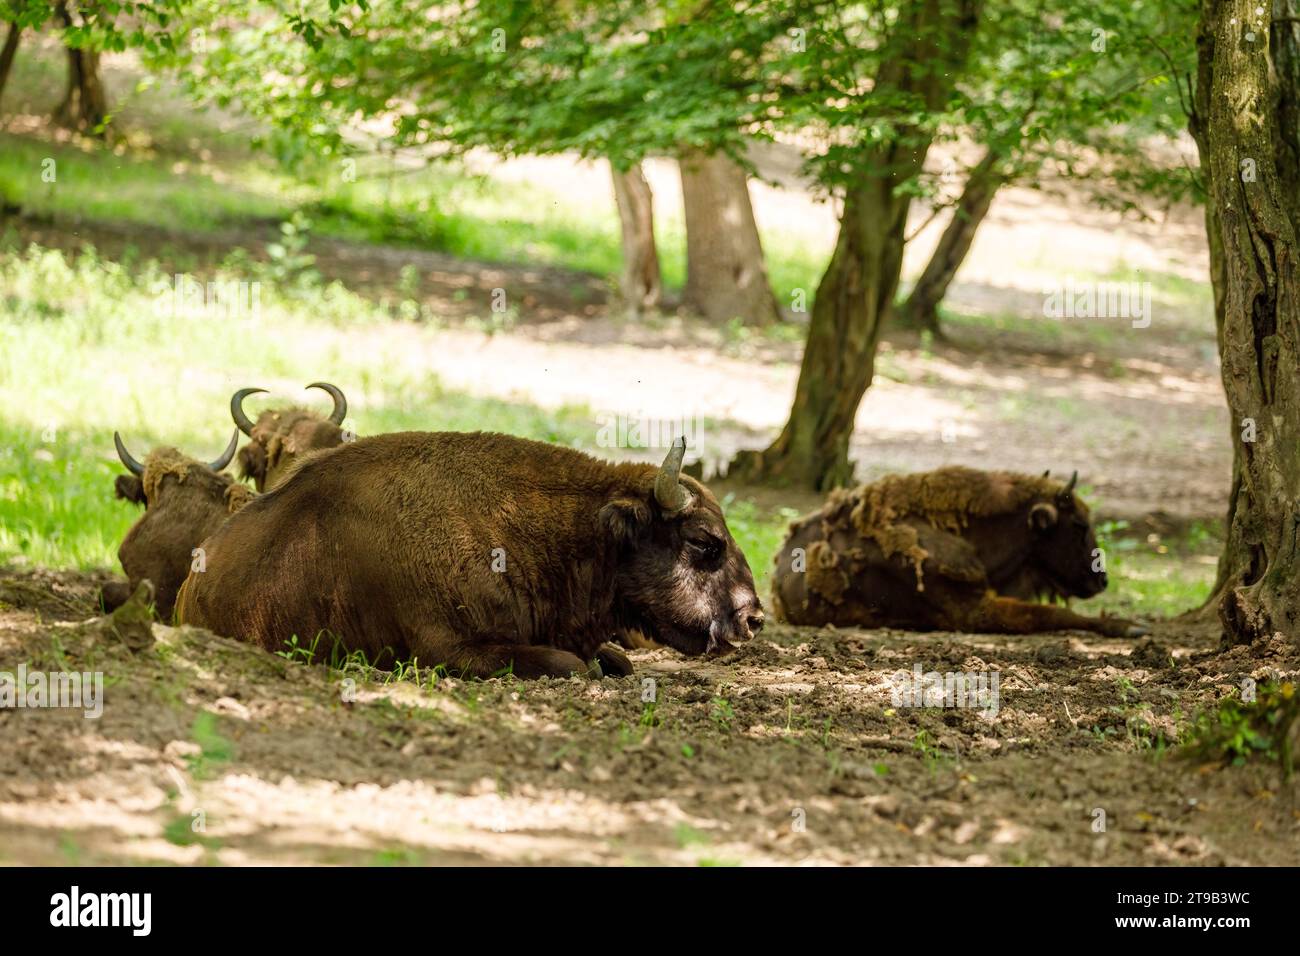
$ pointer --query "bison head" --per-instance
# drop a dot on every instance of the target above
(681, 579)
(280, 437)
(1064, 545)
(184, 501)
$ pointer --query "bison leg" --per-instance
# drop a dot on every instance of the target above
(522, 660)
(1004, 615)
(613, 662)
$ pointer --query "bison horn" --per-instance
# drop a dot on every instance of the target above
(670, 494)
(340, 403)
(226, 455)
(133, 466)
(1070, 486)
(237, 409)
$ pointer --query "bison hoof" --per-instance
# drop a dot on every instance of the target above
(613, 662)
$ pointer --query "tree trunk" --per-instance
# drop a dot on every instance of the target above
(921, 310)
(1249, 142)
(7, 54)
(641, 283)
(931, 42)
(726, 277)
(85, 106)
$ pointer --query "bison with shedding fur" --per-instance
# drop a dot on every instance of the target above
(954, 549)
(279, 437)
(483, 552)
(184, 501)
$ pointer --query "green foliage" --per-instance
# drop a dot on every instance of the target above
(1240, 731)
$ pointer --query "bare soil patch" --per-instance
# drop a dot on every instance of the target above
(789, 751)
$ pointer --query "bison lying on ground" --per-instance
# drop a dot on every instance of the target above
(278, 437)
(954, 549)
(184, 502)
(479, 551)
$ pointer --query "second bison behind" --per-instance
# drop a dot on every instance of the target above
(482, 552)
(954, 549)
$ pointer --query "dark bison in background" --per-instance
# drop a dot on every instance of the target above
(184, 501)
(278, 437)
(954, 549)
(483, 552)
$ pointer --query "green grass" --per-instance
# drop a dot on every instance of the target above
(1162, 577)
(88, 347)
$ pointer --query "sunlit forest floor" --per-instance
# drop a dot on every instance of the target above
(790, 750)
(385, 286)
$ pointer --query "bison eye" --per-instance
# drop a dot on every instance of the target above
(705, 547)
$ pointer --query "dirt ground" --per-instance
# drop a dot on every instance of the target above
(790, 750)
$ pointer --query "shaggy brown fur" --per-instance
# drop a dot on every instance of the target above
(184, 501)
(278, 438)
(947, 498)
(477, 551)
(952, 549)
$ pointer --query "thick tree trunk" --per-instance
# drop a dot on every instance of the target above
(726, 277)
(1247, 90)
(931, 42)
(921, 310)
(85, 106)
(8, 53)
(641, 283)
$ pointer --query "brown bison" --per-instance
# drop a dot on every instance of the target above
(483, 552)
(954, 549)
(278, 437)
(184, 501)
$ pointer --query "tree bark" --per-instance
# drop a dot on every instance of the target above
(85, 105)
(1247, 133)
(931, 41)
(921, 309)
(641, 283)
(726, 277)
(8, 53)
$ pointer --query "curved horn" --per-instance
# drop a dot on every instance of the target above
(133, 466)
(340, 403)
(1069, 488)
(670, 494)
(237, 409)
(226, 455)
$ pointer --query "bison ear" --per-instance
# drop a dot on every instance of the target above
(626, 518)
(129, 488)
(1042, 516)
(252, 462)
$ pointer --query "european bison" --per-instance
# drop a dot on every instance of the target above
(278, 437)
(954, 549)
(184, 501)
(480, 551)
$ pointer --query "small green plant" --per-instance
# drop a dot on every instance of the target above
(923, 743)
(288, 260)
(722, 714)
(1240, 731)
(293, 650)
(649, 715)
(214, 749)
